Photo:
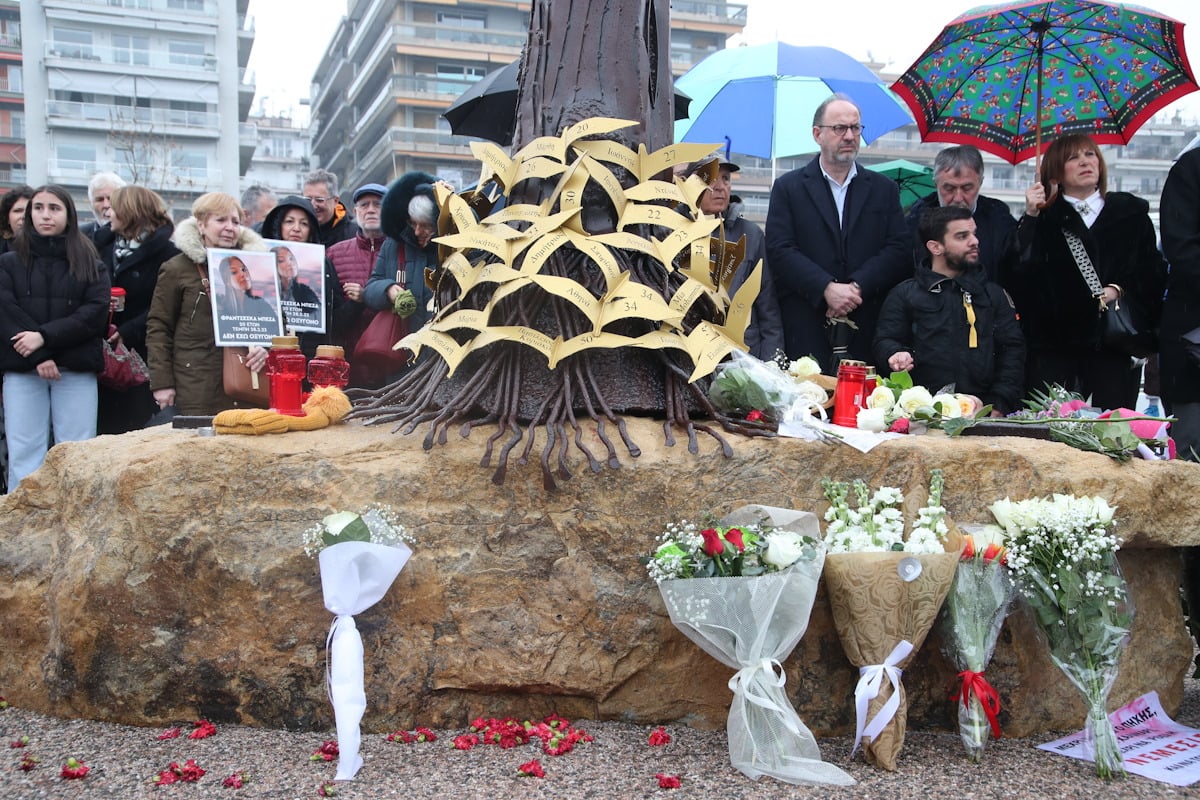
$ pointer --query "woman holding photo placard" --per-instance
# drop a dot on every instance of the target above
(294, 220)
(186, 366)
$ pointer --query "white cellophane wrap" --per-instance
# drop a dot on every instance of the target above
(354, 577)
(752, 624)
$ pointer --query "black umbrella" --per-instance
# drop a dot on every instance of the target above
(488, 109)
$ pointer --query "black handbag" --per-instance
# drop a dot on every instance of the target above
(1122, 326)
(1125, 329)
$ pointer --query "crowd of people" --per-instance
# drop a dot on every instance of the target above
(957, 291)
(58, 305)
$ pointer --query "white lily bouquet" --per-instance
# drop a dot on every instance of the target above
(742, 590)
(1063, 558)
(885, 590)
(360, 556)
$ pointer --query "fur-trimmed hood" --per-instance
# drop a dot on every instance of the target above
(187, 239)
(394, 210)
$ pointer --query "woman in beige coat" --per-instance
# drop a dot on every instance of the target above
(186, 366)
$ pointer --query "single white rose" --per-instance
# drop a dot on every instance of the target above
(914, 398)
(334, 523)
(1002, 510)
(811, 394)
(784, 548)
(947, 405)
(804, 368)
(872, 419)
(882, 398)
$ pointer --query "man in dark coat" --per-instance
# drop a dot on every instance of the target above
(836, 243)
(950, 324)
(1179, 220)
(958, 176)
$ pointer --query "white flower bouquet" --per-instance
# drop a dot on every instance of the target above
(1063, 558)
(975, 609)
(742, 590)
(885, 591)
(360, 557)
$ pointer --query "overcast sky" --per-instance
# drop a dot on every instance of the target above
(288, 43)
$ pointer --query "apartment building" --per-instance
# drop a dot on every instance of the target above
(282, 157)
(154, 90)
(392, 67)
(12, 97)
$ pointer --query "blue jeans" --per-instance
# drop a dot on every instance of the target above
(31, 403)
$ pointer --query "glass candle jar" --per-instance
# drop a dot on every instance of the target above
(849, 397)
(117, 301)
(286, 367)
(329, 367)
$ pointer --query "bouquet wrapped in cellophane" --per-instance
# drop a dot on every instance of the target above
(742, 590)
(976, 606)
(885, 591)
(1063, 559)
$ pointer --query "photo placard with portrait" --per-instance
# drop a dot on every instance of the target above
(245, 297)
(300, 267)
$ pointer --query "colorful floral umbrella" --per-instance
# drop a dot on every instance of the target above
(762, 98)
(1075, 66)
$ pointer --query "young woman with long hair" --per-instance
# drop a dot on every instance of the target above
(54, 299)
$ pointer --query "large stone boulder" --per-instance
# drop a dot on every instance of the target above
(158, 577)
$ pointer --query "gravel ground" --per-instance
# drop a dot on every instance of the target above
(619, 764)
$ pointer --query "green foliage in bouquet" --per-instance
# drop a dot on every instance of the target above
(686, 550)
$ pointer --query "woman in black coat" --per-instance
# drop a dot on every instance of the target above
(1060, 313)
(142, 227)
(54, 295)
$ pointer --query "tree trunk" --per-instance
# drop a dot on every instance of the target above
(597, 58)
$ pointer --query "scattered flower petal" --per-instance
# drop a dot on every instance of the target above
(203, 729)
(21, 742)
(74, 769)
(237, 780)
(659, 737)
(531, 769)
(170, 733)
(328, 751)
(667, 781)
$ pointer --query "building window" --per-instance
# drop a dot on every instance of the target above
(10, 79)
(186, 112)
(189, 164)
(462, 19)
(72, 43)
(131, 49)
(76, 158)
(185, 53)
(186, 5)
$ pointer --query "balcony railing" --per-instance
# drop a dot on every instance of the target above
(207, 8)
(156, 120)
(734, 13)
(10, 39)
(126, 57)
(9, 85)
(154, 176)
(12, 175)
(474, 36)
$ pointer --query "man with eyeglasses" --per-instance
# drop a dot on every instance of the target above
(957, 178)
(335, 224)
(836, 243)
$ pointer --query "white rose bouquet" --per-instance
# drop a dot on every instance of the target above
(742, 589)
(1063, 558)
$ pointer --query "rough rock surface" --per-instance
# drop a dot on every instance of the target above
(158, 577)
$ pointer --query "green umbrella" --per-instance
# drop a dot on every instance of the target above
(915, 180)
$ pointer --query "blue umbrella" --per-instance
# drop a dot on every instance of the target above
(763, 98)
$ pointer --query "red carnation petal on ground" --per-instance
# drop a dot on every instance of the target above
(667, 781)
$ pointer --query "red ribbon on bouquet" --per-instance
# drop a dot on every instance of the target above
(975, 684)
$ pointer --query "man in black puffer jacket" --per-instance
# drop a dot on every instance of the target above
(949, 324)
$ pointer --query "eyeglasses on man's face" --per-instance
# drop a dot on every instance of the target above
(842, 130)
(319, 201)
